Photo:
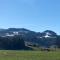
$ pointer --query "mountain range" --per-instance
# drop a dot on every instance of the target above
(46, 39)
(19, 31)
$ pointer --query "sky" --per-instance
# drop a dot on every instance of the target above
(36, 15)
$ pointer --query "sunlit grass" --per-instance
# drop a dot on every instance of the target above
(29, 55)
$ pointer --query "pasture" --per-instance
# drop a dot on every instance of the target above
(29, 55)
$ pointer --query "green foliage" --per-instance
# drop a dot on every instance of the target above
(12, 43)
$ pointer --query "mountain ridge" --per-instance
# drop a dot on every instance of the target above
(45, 39)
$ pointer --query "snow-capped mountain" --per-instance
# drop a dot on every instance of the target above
(22, 31)
(46, 38)
(49, 34)
(13, 32)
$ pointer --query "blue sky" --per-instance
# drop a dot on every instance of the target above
(36, 15)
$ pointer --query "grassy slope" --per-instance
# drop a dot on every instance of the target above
(29, 55)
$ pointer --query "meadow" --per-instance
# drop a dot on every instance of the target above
(29, 55)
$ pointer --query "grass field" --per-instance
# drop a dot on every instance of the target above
(29, 55)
